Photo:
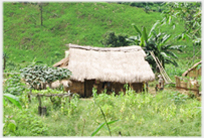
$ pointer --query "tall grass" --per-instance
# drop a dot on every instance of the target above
(168, 113)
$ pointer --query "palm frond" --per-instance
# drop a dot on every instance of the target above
(137, 29)
(165, 56)
(153, 27)
(173, 62)
(166, 47)
(171, 54)
(177, 47)
(165, 38)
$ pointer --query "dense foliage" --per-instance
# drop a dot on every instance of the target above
(187, 12)
(157, 43)
(14, 85)
(110, 39)
(148, 6)
(40, 75)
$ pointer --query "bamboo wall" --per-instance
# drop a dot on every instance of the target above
(138, 87)
(194, 73)
(186, 84)
(84, 89)
(76, 87)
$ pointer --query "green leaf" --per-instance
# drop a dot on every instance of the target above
(177, 47)
(153, 27)
(137, 29)
(144, 34)
(171, 54)
(199, 66)
(165, 38)
(97, 129)
(111, 122)
(12, 126)
(141, 42)
(101, 125)
(13, 99)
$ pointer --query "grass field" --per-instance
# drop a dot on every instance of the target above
(168, 113)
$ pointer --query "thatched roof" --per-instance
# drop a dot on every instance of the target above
(123, 64)
(194, 66)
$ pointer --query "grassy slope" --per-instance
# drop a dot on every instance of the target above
(79, 23)
(25, 40)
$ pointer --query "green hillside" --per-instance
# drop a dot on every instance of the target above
(25, 40)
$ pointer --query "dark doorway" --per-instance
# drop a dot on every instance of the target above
(88, 86)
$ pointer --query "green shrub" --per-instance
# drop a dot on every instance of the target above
(13, 85)
(39, 75)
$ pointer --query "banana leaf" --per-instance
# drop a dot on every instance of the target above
(13, 99)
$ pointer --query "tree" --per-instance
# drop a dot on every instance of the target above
(163, 51)
(156, 42)
(142, 38)
(41, 4)
(190, 14)
(110, 39)
(187, 12)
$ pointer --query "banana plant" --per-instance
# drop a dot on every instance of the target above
(156, 42)
(162, 50)
(142, 37)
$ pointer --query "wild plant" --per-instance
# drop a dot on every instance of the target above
(95, 96)
(73, 104)
(13, 85)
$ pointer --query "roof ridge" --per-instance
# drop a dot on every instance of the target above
(124, 48)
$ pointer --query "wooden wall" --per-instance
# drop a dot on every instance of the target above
(84, 89)
(194, 73)
(138, 87)
(110, 87)
(76, 87)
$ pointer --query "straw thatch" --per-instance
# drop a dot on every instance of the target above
(123, 64)
(193, 72)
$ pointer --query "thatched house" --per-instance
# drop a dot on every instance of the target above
(194, 71)
(108, 68)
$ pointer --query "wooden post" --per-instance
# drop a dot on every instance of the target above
(50, 84)
(43, 110)
(39, 107)
(85, 88)
(44, 86)
(158, 66)
(29, 94)
(29, 100)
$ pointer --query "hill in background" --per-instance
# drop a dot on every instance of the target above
(26, 41)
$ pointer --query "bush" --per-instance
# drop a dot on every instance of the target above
(24, 123)
(110, 39)
(13, 85)
(39, 75)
